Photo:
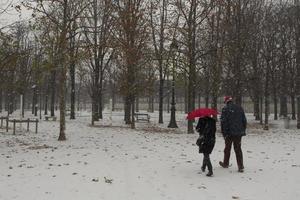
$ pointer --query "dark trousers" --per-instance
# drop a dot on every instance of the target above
(206, 162)
(236, 140)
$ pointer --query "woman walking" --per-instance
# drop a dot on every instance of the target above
(206, 128)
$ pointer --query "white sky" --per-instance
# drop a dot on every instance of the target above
(11, 15)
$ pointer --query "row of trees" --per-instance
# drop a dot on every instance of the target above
(239, 48)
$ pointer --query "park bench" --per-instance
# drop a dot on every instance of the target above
(142, 117)
(53, 118)
(28, 121)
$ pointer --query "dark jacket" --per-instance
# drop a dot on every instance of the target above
(206, 128)
(233, 120)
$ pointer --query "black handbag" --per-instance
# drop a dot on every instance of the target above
(200, 144)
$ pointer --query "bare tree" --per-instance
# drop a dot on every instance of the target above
(297, 31)
(160, 27)
(193, 13)
(98, 24)
(61, 13)
(131, 37)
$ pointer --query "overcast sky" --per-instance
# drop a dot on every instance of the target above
(11, 15)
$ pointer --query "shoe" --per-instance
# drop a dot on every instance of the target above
(241, 170)
(203, 168)
(223, 165)
(209, 174)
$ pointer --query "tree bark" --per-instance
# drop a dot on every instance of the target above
(73, 93)
(293, 105)
(161, 99)
(151, 103)
(127, 110)
(266, 96)
(137, 104)
(297, 89)
(275, 105)
(53, 92)
(63, 72)
(62, 103)
(1, 99)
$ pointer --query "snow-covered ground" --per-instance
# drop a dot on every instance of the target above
(111, 161)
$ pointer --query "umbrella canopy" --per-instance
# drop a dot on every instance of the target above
(201, 112)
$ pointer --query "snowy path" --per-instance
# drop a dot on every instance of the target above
(115, 163)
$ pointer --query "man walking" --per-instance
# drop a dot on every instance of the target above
(233, 127)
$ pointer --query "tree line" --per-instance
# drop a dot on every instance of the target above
(133, 48)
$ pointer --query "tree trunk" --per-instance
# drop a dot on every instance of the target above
(62, 103)
(11, 103)
(100, 103)
(132, 112)
(199, 99)
(297, 89)
(100, 97)
(23, 106)
(283, 91)
(151, 103)
(53, 92)
(283, 105)
(95, 116)
(275, 106)
(63, 73)
(46, 105)
(161, 99)
(33, 100)
(191, 95)
(1, 99)
(256, 105)
(266, 96)
(261, 110)
(293, 106)
(256, 109)
(137, 106)
(206, 101)
(72, 76)
(275, 99)
(168, 95)
(185, 94)
(127, 110)
(113, 98)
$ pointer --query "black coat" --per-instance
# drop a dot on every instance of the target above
(233, 120)
(206, 128)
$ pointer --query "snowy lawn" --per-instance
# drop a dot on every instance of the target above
(149, 163)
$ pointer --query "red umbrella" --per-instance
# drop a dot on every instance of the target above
(201, 112)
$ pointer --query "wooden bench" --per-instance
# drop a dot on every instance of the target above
(14, 121)
(142, 117)
(53, 118)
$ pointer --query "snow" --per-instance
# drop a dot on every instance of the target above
(111, 161)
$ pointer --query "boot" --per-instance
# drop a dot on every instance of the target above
(203, 168)
(209, 167)
(209, 174)
(239, 159)
(241, 169)
(223, 165)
